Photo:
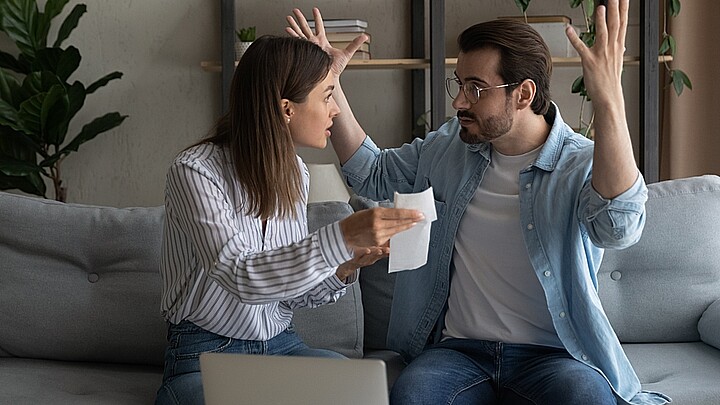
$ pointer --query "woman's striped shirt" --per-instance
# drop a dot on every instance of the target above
(218, 269)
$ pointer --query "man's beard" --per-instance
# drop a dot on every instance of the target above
(490, 128)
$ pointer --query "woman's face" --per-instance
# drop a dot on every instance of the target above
(310, 121)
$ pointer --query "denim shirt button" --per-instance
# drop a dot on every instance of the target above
(584, 357)
(527, 186)
(530, 227)
(562, 314)
(547, 273)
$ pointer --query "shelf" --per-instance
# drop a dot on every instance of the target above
(363, 64)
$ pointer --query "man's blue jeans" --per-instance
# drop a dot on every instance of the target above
(464, 371)
(182, 383)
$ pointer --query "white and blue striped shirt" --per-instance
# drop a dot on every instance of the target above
(218, 269)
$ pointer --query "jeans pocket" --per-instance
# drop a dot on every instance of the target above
(192, 344)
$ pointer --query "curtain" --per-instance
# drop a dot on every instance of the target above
(690, 142)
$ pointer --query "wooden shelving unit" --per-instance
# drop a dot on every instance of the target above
(436, 64)
(416, 63)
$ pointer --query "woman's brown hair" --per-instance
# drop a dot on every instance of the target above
(523, 54)
(254, 127)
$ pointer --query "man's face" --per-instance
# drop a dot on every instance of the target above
(492, 115)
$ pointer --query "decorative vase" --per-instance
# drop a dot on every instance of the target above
(240, 48)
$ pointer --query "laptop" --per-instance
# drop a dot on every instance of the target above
(230, 378)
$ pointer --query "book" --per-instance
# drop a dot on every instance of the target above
(341, 23)
(344, 29)
(344, 44)
(345, 36)
(361, 55)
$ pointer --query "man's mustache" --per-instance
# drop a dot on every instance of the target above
(465, 114)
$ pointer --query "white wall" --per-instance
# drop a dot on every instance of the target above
(171, 101)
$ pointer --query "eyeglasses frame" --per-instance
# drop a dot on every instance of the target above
(479, 90)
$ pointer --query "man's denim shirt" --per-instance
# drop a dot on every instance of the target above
(566, 225)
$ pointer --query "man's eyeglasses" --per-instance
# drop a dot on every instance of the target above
(471, 90)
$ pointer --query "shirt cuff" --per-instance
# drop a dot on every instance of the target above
(336, 284)
(332, 245)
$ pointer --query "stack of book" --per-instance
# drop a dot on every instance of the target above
(341, 32)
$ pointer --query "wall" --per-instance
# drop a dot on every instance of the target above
(171, 101)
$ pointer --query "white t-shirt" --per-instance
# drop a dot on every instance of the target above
(494, 292)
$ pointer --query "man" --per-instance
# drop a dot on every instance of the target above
(506, 309)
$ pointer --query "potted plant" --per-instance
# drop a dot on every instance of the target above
(245, 37)
(37, 99)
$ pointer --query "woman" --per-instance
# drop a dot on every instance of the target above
(236, 254)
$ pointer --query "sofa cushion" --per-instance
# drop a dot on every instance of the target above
(80, 282)
(338, 326)
(656, 290)
(709, 325)
(686, 372)
(31, 382)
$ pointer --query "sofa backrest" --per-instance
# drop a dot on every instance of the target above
(80, 282)
(656, 290)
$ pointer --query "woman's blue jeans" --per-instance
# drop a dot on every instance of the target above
(182, 383)
(464, 371)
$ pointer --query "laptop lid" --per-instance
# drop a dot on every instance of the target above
(230, 378)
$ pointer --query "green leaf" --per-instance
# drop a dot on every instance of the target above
(664, 45)
(522, 5)
(103, 81)
(8, 61)
(672, 44)
(62, 62)
(575, 3)
(19, 19)
(9, 89)
(673, 7)
(588, 38)
(53, 116)
(578, 85)
(29, 115)
(93, 129)
(14, 167)
(31, 184)
(76, 99)
(9, 116)
(70, 23)
(679, 80)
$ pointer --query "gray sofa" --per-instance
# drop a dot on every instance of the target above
(80, 291)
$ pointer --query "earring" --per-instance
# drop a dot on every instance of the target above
(288, 120)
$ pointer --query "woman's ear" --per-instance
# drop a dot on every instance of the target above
(526, 95)
(287, 108)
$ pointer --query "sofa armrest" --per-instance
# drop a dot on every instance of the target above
(709, 325)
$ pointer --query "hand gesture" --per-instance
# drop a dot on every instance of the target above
(602, 63)
(374, 227)
(298, 27)
(361, 257)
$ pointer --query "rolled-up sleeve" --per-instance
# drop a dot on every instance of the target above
(614, 223)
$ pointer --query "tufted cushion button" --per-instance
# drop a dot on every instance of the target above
(616, 275)
(93, 277)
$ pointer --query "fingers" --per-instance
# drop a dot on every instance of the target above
(298, 26)
(374, 227)
(575, 40)
(293, 29)
(356, 43)
(319, 25)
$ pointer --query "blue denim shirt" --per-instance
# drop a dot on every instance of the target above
(566, 224)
